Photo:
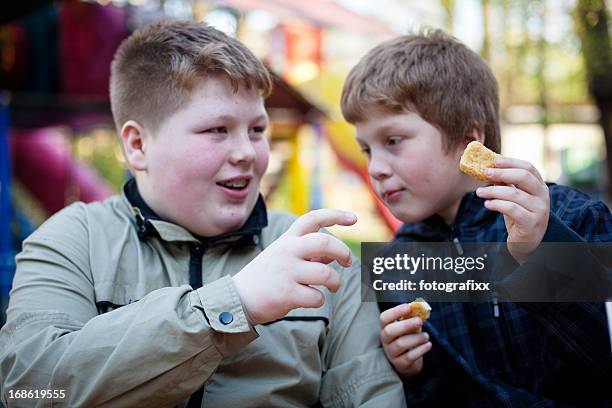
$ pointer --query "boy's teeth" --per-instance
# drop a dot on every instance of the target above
(235, 183)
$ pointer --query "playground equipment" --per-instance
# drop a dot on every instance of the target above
(7, 263)
(35, 152)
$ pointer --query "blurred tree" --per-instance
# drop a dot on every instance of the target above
(485, 52)
(591, 17)
(518, 49)
(508, 71)
(541, 49)
(448, 6)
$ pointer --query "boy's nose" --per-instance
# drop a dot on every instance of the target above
(378, 169)
(242, 151)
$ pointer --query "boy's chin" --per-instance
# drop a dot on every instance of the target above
(410, 217)
(220, 226)
(232, 220)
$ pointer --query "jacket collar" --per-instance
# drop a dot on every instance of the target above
(471, 214)
(149, 224)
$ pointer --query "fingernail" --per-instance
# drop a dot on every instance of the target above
(480, 190)
(426, 336)
(489, 172)
(349, 217)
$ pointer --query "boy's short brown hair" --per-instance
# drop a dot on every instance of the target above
(155, 69)
(432, 74)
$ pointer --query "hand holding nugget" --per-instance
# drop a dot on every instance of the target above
(522, 196)
(402, 339)
(279, 279)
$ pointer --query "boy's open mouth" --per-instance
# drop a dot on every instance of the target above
(236, 183)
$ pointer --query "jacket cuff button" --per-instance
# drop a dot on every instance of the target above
(226, 318)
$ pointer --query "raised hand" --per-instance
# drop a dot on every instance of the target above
(282, 277)
(402, 342)
(522, 196)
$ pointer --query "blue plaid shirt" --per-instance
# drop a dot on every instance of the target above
(536, 354)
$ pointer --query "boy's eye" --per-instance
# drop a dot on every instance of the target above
(365, 150)
(257, 132)
(220, 129)
(394, 140)
(258, 129)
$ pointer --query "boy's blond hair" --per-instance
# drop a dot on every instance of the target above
(155, 69)
(432, 74)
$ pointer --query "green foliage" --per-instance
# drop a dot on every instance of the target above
(100, 149)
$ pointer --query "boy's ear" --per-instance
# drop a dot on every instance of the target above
(477, 134)
(133, 139)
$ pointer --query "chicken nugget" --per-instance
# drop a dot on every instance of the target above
(476, 159)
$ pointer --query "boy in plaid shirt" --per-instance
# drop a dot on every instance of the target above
(416, 102)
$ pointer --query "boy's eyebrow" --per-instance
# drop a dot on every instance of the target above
(396, 129)
(386, 129)
(262, 117)
(382, 130)
(233, 118)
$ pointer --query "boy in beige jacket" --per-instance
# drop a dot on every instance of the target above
(185, 290)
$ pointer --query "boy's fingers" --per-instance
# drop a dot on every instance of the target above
(321, 246)
(509, 193)
(511, 162)
(411, 356)
(317, 219)
(396, 329)
(391, 315)
(520, 177)
(313, 273)
(407, 342)
(305, 296)
(322, 259)
(512, 210)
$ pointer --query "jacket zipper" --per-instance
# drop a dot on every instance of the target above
(453, 237)
(196, 252)
(495, 305)
(459, 249)
(458, 246)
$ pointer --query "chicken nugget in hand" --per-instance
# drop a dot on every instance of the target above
(418, 308)
(476, 159)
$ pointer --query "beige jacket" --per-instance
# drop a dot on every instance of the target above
(111, 319)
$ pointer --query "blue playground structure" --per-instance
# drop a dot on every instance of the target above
(7, 254)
